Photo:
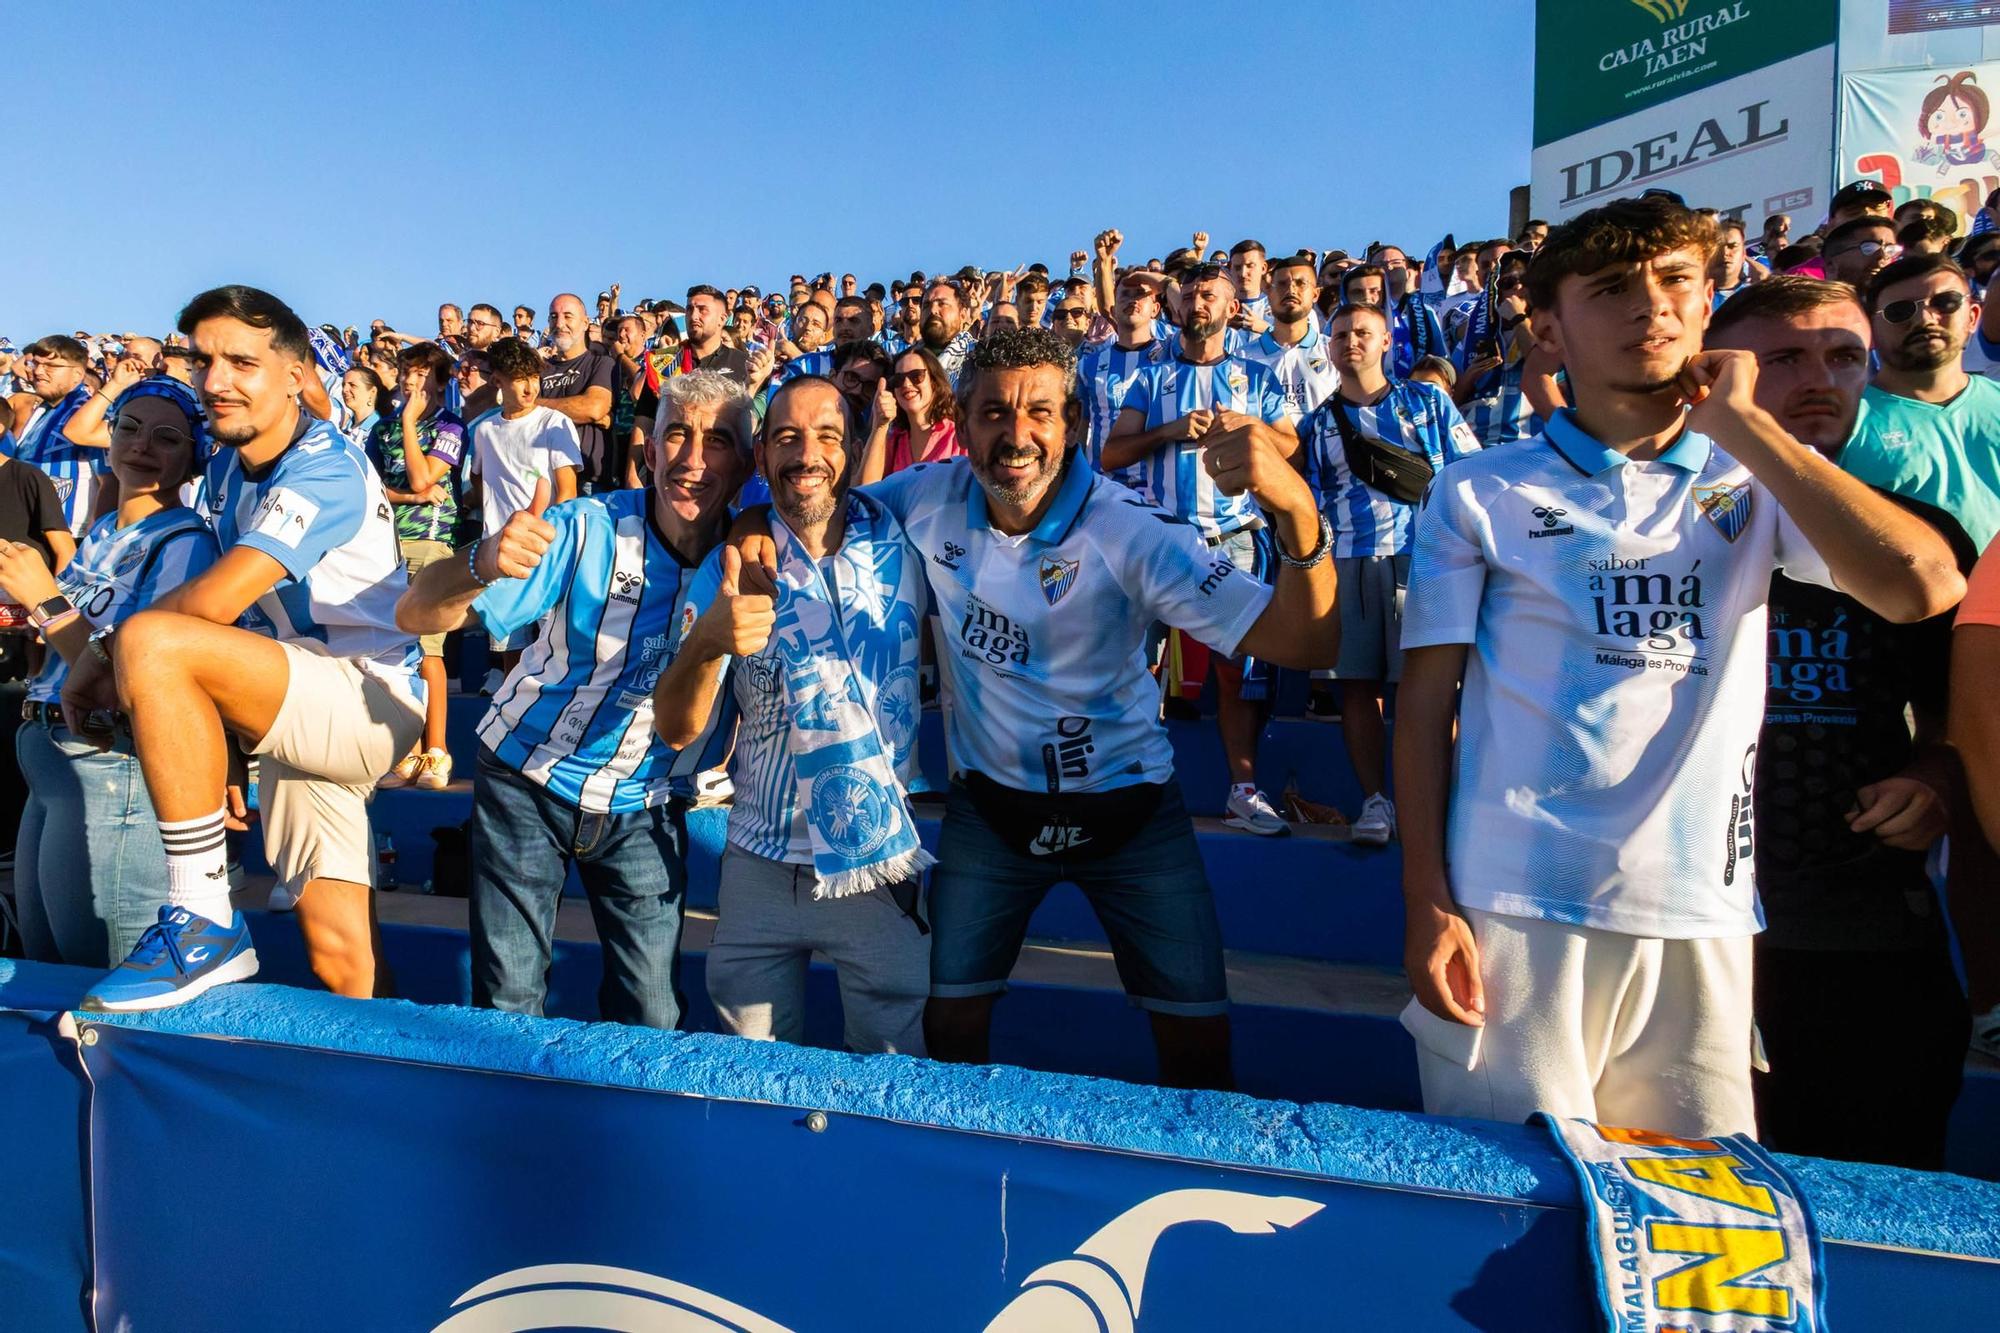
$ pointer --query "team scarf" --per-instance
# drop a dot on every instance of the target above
(332, 357)
(1431, 282)
(1415, 319)
(48, 424)
(857, 814)
(1708, 1232)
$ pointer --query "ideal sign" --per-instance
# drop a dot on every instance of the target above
(1761, 142)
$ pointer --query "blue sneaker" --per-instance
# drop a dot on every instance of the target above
(180, 956)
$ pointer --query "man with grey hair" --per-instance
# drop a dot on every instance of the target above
(569, 767)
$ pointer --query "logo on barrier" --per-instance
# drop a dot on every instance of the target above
(1100, 1286)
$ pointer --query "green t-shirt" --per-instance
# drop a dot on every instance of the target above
(1945, 454)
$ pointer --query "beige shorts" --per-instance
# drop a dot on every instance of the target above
(416, 556)
(338, 731)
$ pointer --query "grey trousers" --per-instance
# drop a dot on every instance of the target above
(770, 927)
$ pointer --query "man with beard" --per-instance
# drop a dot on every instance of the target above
(1048, 579)
(1292, 345)
(74, 462)
(1575, 883)
(1928, 430)
(1858, 249)
(810, 350)
(820, 655)
(1161, 433)
(943, 330)
(703, 348)
(578, 382)
(1862, 1019)
(569, 767)
(1931, 432)
(483, 327)
(853, 320)
(322, 687)
(1105, 370)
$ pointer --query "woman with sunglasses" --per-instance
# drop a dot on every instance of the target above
(88, 861)
(916, 418)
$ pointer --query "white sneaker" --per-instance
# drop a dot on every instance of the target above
(1986, 1032)
(435, 774)
(495, 678)
(1253, 814)
(1377, 823)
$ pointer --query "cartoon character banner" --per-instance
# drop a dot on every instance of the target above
(1924, 133)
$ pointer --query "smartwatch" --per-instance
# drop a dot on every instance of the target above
(41, 615)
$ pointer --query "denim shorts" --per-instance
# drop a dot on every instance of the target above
(1151, 896)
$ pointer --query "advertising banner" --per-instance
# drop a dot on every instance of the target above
(345, 1193)
(1759, 143)
(1598, 61)
(1924, 133)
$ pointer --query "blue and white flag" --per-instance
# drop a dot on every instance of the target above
(857, 815)
(1708, 1234)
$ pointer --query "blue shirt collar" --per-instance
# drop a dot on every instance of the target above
(1689, 453)
(1071, 492)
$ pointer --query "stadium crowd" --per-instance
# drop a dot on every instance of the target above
(1653, 538)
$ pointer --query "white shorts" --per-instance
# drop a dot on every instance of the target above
(339, 730)
(1619, 1029)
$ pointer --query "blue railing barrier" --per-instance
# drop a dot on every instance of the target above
(270, 1157)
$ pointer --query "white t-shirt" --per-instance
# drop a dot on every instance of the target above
(510, 456)
(1615, 687)
(1041, 637)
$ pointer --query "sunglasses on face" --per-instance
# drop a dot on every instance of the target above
(1942, 304)
(911, 378)
(1871, 249)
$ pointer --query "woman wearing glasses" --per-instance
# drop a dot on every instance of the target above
(916, 418)
(88, 861)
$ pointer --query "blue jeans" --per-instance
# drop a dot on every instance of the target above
(90, 872)
(633, 866)
(1151, 896)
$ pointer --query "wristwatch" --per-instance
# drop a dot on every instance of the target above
(97, 645)
(41, 615)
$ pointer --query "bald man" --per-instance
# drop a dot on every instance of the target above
(578, 383)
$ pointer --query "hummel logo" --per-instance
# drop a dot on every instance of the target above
(953, 553)
(197, 955)
(1552, 522)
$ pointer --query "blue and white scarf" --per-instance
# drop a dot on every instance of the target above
(1709, 1233)
(857, 814)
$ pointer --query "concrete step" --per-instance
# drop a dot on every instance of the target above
(1312, 894)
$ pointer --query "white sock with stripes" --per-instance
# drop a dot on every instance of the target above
(198, 866)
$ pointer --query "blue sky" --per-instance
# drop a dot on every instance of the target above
(371, 160)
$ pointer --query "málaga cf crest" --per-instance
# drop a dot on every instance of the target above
(1728, 507)
(1057, 576)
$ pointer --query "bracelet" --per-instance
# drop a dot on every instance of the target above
(472, 563)
(58, 620)
(97, 642)
(1313, 557)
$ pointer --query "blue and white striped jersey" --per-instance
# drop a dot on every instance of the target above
(576, 714)
(1103, 374)
(118, 571)
(1614, 690)
(1173, 477)
(1413, 415)
(1303, 370)
(1041, 637)
(881, 595)
(806, 363)
(319, 511)
(73, 467)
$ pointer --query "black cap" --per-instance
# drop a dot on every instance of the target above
(1860, 194)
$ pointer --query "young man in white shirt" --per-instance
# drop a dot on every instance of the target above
(511, 448)
(1579, 882)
